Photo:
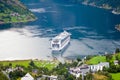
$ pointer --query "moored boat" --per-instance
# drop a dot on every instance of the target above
(60, 41)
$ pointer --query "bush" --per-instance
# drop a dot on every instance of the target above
(3, 77)
(117, 50)
(16, 74)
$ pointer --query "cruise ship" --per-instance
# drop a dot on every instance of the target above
(60, 41)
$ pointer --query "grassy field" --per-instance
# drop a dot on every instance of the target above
(48, 64)
(99, 77)
(96, 60)
(115, 76)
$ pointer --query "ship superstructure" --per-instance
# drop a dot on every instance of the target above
(60, 41)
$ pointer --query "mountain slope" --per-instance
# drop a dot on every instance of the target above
(14, 11)
(112, 5)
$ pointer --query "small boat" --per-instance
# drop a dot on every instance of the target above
(60, 41)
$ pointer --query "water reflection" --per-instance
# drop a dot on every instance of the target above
(24, 43)
(19, 44)
(9, 26)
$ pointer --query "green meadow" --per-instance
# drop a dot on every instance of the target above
(39, 63)
(115, 76)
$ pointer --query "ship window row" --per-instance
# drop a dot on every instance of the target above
(64, 42)
(64, 39)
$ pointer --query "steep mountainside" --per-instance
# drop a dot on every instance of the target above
(14, 11)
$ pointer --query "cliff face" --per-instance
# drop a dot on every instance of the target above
(14, 11)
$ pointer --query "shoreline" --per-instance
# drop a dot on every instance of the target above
(28, 60)
(117, 28)
(114, 12)
(19, 21)
(107, 8)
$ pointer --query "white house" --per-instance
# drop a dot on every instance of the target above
(99, 66)
(94, 68)
(52, 77)
(9, 70)
(116, 62)
(27, 77)
(75, 71)
(82, 70)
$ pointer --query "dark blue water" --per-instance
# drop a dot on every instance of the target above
(60, 15)
(93, 29)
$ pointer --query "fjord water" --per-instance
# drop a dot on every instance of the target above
(93, 31)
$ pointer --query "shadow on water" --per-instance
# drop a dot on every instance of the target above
(60, 53)
(5, 26)
(9, 26)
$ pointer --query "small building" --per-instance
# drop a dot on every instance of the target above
(19, 68)
(95, 68)
(81, 70)
(14, 14)
(34, 71)
(99, 66)
(115, 62)
(9, 70)
(27, 77)
(75, 71)
(52, 77)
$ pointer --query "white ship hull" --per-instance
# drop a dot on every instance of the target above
(60, 42)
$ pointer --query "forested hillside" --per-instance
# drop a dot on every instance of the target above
(14, 11)
(113, 5)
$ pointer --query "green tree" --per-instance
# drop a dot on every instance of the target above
(105, 69)
(117, 57)
(89, 57)
(10, 64)
(70, 77)
(80, 77)
(61, 77)
(113, 69)
(88, 76)
(78, 59)
(3, 77)
(119, 61)
(16, 74)
(62, 71)
(43, 70)
(117, 50)
(1, 67)
(109, 57)
(32, 63)
(74, 64)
